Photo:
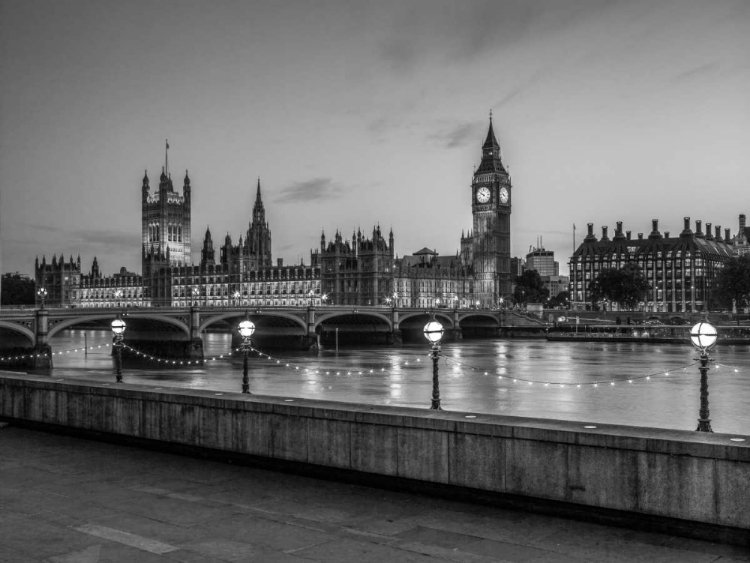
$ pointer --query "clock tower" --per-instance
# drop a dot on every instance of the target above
(490, 242)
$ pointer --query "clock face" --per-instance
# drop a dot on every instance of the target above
(483, 195)
(503, 195)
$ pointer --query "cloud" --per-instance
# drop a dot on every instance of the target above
(698, 71)
(317, 189)
(457, 135)
(460, 32)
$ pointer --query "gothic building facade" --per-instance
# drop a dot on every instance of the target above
(356, 272)
(165, 232)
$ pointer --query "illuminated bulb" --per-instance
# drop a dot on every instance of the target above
(648, 377)
(546, 384)
(736, 370)
(611, 382)
(371, 371)
(630, 381)
(514, 381)
(596, 385)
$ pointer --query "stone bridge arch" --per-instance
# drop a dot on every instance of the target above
(223, 316)
(495, 319)
(67, 323)
(21, 329)
(330, 315)
(444, 317)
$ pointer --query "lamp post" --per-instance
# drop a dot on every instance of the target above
(117, 295)
(704, 337)
(42, 293)
(118, 329)
(195, 291)
(236, 295)
(247, 328)
(433, 331)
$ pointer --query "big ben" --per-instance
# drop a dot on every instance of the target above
(491, 198)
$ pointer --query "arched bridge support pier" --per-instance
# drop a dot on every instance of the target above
(195, 350)
(395, 337)
(42, 352)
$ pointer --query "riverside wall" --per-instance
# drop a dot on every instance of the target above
(687, 483)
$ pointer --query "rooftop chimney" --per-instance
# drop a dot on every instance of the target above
(686, 232)
(654, 229)
(604, 234)
(742, 222)
(640, 236)
(590, 237)
(629, 234)
(718, 234)
(698, 231)
(727, 236)
(666, 234)
(709, 234)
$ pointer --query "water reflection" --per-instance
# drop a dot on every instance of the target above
(475, 375)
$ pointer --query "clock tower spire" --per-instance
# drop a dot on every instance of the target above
(491, 208)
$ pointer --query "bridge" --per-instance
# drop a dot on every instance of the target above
(177, 330)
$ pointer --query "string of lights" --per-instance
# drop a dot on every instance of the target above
(610, 381)
(380, 368)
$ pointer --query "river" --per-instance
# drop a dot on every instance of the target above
(475, 376)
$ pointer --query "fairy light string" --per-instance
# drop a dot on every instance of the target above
(381, 368)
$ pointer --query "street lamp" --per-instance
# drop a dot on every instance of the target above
(433, 331)
(195, 293)
(117, 295)
(118, 329)
(247, 328)
(42, 293)
(236, 296)
(704, 337)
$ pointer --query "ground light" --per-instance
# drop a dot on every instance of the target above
(433, 331)
(704, 337)
(247, 328)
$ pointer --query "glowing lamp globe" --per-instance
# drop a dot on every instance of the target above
(247, 328)
(118, 326)
(703, 335)
(433, 331)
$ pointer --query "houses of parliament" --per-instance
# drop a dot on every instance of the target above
(362, 269)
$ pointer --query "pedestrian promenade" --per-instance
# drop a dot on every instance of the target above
(71, 500)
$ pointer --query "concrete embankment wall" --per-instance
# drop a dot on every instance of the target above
(682, 482)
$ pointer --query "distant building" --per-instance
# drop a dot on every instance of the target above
(427, 280)
(681, 269)
(543, 261)
(59, 278)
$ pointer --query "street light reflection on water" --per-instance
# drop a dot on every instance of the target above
(475, 376)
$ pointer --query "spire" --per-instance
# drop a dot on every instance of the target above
(491, 161)
(490, 141)
(187, 178)
(166, 157)
(145, 178)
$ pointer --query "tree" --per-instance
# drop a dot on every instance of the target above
(17, 290)
(529, 288)
(732, 284)
(560, 300)
(626, 286)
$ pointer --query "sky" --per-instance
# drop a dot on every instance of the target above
(358, 113)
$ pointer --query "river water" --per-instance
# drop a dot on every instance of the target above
(475, 376)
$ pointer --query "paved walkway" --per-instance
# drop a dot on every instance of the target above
(68, 500)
